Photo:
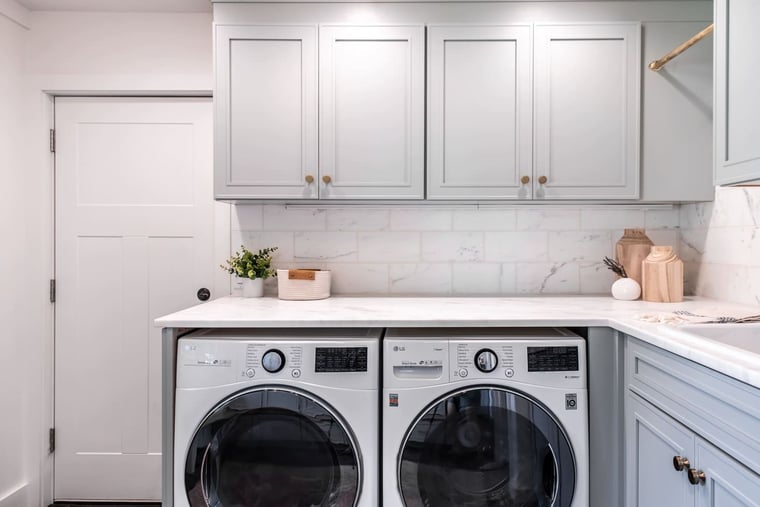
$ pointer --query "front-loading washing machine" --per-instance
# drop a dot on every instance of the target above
(484, 417)
(277, 418)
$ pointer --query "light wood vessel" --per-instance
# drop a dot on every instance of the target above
(662, 276)
(631, 250)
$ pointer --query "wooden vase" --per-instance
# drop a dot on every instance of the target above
(662, 276)
(631, 250)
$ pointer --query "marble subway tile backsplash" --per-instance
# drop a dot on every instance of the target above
(720, 245)
(457, 250)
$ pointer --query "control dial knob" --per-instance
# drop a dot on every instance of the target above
(273, 360)
(486, 361)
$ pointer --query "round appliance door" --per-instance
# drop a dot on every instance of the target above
(486, 446)
(272, 446)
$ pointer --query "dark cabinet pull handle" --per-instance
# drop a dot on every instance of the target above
(680, 463)
(203, 294)
(696, 476)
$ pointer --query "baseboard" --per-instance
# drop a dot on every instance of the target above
(17, 497)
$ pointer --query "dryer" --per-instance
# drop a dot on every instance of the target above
(270, 417)
(484, 417)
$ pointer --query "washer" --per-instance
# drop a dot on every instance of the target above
(483, 417)
(277, 418)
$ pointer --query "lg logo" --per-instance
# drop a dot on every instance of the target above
(396, 348)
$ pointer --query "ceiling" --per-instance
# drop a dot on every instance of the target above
(153, 5)
(118, 5)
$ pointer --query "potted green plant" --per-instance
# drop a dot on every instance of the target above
(252, 268)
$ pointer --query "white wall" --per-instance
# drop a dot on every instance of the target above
(720, 244)
(22, 332)
(81, 52)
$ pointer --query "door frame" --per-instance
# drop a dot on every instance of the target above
(47, 98)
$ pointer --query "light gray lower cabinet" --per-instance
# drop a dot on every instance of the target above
(726, 481)
(691, 433)
(653, 441)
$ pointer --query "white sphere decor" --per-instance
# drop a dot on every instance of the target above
(626, 289)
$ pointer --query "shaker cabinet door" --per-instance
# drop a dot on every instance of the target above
(653, 440)
(587, 99)
(372, 112)
(727, 483)
(737, 103)
(479, 112)
(265, 142)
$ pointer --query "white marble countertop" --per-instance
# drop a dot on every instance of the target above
(578, 311)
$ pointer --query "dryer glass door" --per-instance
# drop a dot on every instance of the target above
(483, 447)
(272, 447)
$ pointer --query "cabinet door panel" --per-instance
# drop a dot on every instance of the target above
(652, 440)
(737, 107)
(265, 100)
(587, 111)
(372, 112)
(479, 115)
(727, 482)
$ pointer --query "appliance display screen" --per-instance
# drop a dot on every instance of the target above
(340, 359)
(552, 358)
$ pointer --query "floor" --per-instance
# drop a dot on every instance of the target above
(92, 504)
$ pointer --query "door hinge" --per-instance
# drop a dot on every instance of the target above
(51, 441)
(52, 290)
(52, 140)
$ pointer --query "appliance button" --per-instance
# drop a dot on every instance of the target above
(509, 372)
(296, 373)
(250, 373)
(273, 360)
(463, 372)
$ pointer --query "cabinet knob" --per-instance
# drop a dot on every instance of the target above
(309, 179)
(542, 179)
(680, 463)
(696, 476)
(327, 179)
(525, 180)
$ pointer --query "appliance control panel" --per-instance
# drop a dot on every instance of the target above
(338, 363)
(551, 362)
(340, 359)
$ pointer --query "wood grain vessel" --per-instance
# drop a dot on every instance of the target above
(631, 250)
(662, 276)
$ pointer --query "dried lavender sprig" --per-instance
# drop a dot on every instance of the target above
(615, 267)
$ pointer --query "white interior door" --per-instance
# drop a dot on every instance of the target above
(137, 235)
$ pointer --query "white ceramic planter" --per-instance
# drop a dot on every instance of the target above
(253, 288)
(626, 289)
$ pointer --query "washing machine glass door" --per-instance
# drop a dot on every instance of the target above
(272, 447)
(486, 447)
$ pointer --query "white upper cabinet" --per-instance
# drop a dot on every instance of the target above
(737, 101)
(372, 112)
(479, 112)
(587, 81)
(265, 101)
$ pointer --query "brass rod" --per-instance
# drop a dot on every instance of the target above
(658, 64)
